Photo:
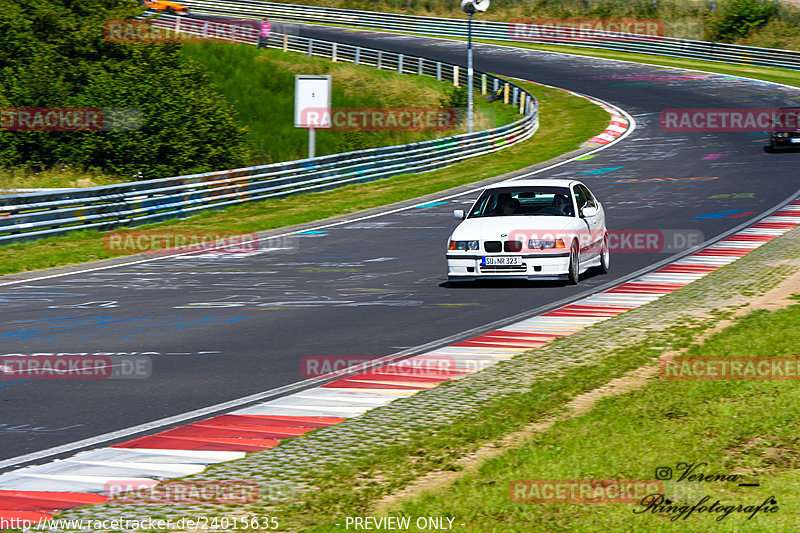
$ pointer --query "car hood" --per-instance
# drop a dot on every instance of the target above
(503, 228)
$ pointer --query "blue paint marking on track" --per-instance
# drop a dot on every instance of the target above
(312, 232)
(600, 171)
(57, 329)
(721, 214)
(15, 382)
(431, 204)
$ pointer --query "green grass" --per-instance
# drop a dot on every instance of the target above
(260, 84)
(736, 427)
(350, 490)
(566, 122)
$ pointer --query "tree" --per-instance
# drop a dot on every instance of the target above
(54, 55)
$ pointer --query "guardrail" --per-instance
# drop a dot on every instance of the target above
(503, 31)
(37, 215)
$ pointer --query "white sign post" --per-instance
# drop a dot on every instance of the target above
(312, 105)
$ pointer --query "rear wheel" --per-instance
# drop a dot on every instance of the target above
(574, 264)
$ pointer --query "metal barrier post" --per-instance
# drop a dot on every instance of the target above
(310, 46)
(420, 69)
(400, 63)
(438, 71)
(380, 56)
(505, 93)
(455, 75)
(358, 54)
(483, 84)
(333, 53)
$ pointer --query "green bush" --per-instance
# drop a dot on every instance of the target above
(739, 18)
(54, 55)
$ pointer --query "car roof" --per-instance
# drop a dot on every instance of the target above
(534, 183)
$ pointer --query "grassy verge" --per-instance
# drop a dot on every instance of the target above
(566, 121)
(260, 84)
(352, 489)
(739, 427)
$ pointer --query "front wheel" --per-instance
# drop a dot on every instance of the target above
(605, 257)
(574, 264)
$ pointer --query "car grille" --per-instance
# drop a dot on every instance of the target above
(495, 269)
(492, 246)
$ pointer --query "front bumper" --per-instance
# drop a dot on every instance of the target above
(551, 266)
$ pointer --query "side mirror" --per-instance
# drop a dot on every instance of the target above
(459, 214)
(588, 211)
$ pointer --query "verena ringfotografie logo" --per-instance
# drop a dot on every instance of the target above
(149, 31)
(619, 240)
(583, 29)
(724, 368)
(70, 119)
(18, 366)
(380, 119)
(728, 119)
(192, 492)
(336, 365)
(155, 242)
(582, 490)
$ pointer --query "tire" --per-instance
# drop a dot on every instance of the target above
(573, 274)
(605, 257)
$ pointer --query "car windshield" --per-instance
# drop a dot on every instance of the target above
(524, 201)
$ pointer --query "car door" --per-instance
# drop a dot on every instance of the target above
(595, 223)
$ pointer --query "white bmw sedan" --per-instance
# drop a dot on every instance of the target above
(530, 229)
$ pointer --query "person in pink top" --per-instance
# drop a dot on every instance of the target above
(263, 37)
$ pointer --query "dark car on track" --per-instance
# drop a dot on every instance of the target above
(785, 128)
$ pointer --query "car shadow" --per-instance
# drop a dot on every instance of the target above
(503, 284)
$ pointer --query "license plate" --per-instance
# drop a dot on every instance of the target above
(496, 261)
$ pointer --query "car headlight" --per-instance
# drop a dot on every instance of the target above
(463, 245)
(542, 244)
(781, 134)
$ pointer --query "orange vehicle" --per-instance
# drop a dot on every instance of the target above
(165, 6)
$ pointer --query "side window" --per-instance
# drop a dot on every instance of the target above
(580, 197)
(588, 195)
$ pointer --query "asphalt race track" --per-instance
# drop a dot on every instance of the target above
(220, 327)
